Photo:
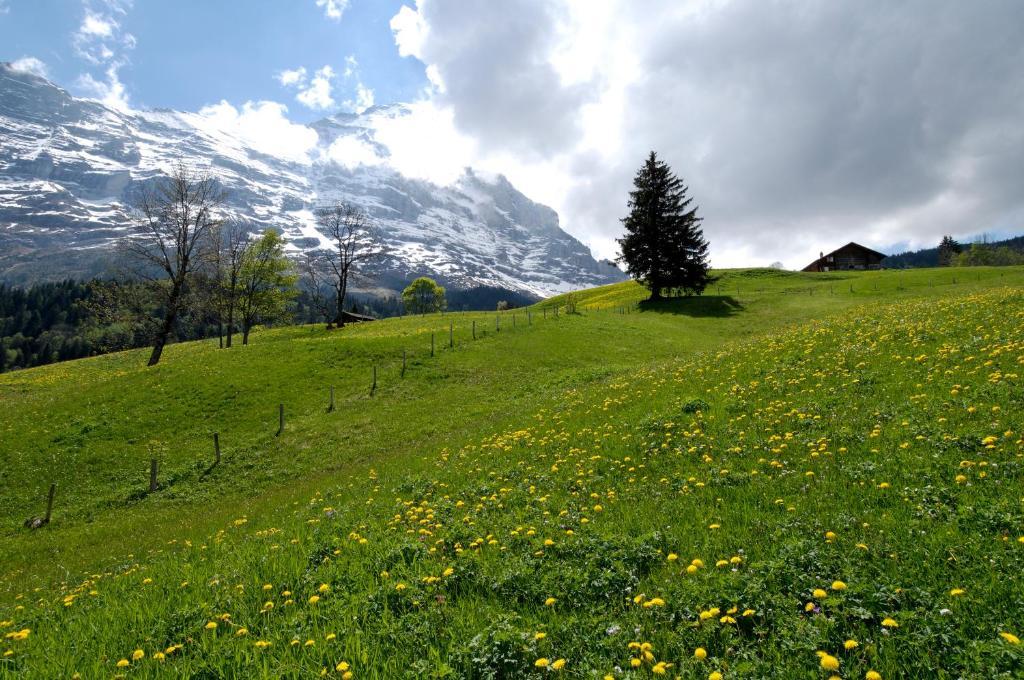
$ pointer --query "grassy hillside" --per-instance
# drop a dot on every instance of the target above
(683, 476)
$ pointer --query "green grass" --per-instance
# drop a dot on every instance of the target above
(673, 419)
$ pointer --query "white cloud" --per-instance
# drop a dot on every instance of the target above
(4, 7)
(101, 41)
(31, 65)
(333, 9)
(94, 25)
(410, 29)
(317, 94)
(425, 143)
(362, 100)
(292, 77)
(352, 152)
(264, 126)
(99, 38)
(796, 126)
(110, 92)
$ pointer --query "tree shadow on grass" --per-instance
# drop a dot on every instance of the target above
(697, 305)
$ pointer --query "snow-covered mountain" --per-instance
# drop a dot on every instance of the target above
(68, 166)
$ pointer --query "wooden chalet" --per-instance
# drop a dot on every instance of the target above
(352, 317)
(851, 256)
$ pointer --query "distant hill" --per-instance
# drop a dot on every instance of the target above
(929, 257)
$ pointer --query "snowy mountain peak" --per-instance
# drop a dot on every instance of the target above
(68, 165)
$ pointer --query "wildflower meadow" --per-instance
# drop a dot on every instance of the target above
(795, 476)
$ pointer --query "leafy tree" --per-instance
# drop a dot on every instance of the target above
(664, 246)
(981, 255)
(423, 295)
(173, 222)
(266, 282)
(948, 249)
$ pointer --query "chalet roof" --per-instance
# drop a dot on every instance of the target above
(856, 245)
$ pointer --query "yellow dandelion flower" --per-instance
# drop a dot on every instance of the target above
(957, 592)
(872, 675)
(138, 654)
(313, 599)
(850, 644)
(1010, 637)
(700, 654)
(550, 602)
(558, 665)
(542, 662)
(342, 666)
(539, 636)
(890, 623)
(829, 662)
(211, 625)
(123, 663)
(838, 585)
(819, 594)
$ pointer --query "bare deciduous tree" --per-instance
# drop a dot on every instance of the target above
(228, 243)
(173, 220)
(315, 281)
(354, 242)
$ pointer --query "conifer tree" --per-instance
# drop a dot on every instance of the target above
(664, 247)
(948, 249)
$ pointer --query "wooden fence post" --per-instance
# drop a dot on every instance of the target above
(152, 475)
(403, 363)
(431, 344)
(280, 419)
(474, 329)
(451, 335)
(49, 503)
(497, 323)
(330, 405)
(373, 388)
(216, 448)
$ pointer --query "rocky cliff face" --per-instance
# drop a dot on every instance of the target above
(68, 167)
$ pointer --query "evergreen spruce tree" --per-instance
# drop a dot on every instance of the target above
(948, 249)
(664, 247)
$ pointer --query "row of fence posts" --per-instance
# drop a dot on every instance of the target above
(154, 465)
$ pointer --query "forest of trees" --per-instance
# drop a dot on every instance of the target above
(950, 253)
(50, 322)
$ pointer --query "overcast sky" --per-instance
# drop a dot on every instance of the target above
(798, 126)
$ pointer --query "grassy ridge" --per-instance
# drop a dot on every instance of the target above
(481, 455)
